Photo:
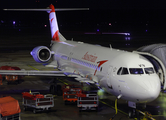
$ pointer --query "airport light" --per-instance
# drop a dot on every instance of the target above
(14, 22)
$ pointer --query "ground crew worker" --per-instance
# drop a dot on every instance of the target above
(85, 88)
(100, 93)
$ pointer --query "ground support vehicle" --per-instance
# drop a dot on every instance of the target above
(11, 78)
(9, 109)
(70, 93)
(88, 102)
(37, 102)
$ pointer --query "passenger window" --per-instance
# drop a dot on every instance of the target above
(64, 57)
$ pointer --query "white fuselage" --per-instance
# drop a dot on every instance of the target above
(102, 65)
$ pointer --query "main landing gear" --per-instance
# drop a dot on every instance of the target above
(55, 89)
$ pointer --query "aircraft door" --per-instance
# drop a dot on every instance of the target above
(70, 56)
(71, 53)
(109, 76)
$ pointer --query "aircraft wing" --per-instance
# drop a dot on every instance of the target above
(32, 73)
(84, 80)
(46, 73)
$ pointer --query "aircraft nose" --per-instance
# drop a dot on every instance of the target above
(153, 91)
(150, 89)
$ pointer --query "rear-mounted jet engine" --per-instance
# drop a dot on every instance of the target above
(41, 54)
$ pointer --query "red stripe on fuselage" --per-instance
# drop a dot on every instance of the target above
(100, 63)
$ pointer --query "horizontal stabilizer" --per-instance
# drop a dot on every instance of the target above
(47, 9)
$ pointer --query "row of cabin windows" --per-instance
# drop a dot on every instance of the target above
(82, 63)
(64, 57)
(86, 64)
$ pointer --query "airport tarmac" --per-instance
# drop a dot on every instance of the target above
(60, 111)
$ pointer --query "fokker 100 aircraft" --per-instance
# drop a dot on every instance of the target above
(127, 75)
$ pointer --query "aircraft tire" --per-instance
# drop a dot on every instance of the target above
(25, 108)
(80, 109)
(138, 115)
(59, 90)
(66, 102)
(8, 83)
(97, 109)
(53, 89)
(34, 111)
(131, 113)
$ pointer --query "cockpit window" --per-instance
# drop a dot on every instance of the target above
(122, 71)
(149, 70)
(136, 71)
(119, 71)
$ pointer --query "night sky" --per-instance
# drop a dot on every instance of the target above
(93, 4)
(124, 15)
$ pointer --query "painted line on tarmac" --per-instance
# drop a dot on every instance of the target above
(62, 81)
(159, 115)
(32, 67)
(113, 107)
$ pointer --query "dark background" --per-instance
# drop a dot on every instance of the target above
(144, 19)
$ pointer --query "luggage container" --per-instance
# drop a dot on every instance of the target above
(9, 109)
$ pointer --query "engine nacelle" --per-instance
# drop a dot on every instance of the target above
(41, 54)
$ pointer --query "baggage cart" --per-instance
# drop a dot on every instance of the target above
(70, 93)
(88, 102)
(37, 102)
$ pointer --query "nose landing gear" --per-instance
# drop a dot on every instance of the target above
(133, 113)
